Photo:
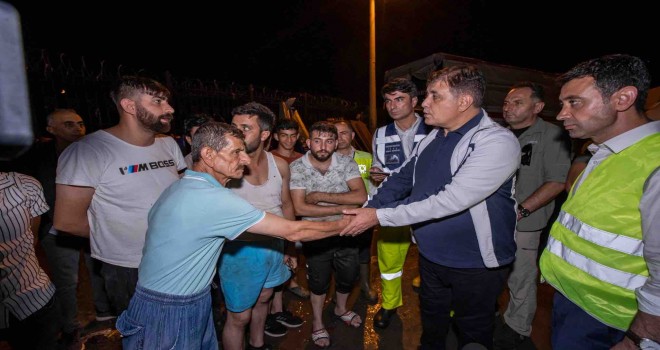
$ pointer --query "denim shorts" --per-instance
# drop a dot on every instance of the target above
(248, 267)
(156, 320)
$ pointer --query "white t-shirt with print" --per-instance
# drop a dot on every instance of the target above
(127, 180)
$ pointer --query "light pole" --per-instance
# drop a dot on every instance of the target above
(373, 115)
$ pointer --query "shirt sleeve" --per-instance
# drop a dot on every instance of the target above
(395, 187)
(494, 160)
(35, 194)
(178, 155)
(557, 156)
(297, 181)
(648, 296)
(351, 170)
(79, 165)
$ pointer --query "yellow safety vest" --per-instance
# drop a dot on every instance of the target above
(594, 254)
(364, 159)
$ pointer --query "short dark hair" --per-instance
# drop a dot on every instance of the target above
(400, 84)
(462, 79)
(612, 73)
(537, 89)
(287, 124)
(324, 127)
(265, 117)
(195, 120)
(128, 86)
(213, 134)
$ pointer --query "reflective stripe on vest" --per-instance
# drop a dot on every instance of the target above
(616, 277)
(603, 238)
(387, 139)
(594, 254)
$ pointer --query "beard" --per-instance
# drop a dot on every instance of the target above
(253, 146)
(321, 158)
(151, 121)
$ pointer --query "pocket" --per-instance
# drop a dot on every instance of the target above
(132, 332)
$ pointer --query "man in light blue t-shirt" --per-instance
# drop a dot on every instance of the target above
(188, 225)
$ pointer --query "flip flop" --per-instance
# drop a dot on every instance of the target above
(321, 334)
(348, 317)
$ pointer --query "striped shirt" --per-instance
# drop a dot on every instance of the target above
(24, 286)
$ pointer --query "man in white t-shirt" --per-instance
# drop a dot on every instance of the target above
(108, 181)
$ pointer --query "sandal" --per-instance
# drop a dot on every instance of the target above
(299, 291)
(348, 318)
(320, 334)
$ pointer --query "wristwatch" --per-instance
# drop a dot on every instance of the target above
(642, 343)
(524, 212)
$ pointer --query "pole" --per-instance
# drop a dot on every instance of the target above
(373, 116)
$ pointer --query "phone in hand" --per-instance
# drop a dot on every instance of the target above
(379, 173)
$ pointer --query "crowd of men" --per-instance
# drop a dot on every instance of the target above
(473, 194)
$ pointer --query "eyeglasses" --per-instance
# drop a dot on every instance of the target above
(526, 157)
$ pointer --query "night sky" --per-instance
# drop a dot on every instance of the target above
(322, 47)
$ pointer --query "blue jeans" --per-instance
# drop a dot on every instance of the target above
(63, 254)
(572, 328)
(162, 321)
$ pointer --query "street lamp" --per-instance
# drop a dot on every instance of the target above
(373, 115)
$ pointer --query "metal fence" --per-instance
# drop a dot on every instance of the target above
(61, 81)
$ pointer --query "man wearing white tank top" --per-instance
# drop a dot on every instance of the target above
(251, 266)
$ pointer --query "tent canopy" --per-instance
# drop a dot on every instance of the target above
(499, 79)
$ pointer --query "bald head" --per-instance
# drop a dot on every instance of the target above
(66, 125)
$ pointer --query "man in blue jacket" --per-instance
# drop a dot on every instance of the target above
(457, 193)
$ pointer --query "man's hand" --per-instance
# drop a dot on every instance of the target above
(313, 197)
(363, 218)
(376, 174)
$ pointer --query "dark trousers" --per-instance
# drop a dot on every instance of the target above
(470, 292)
(37, 332)
(572, 328)
(364, 245)
(323, 259)
(120, 283)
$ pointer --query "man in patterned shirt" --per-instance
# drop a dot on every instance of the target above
(322, 185)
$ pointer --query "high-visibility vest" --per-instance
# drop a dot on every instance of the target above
(389, 149)
(594, 254)
(364, 159)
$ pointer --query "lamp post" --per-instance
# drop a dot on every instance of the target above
(373, 115)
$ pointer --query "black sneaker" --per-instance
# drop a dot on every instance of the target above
(274, 328)
(288, 319)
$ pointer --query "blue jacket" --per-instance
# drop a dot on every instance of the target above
(483, 161)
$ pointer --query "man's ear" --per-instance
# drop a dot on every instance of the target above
(624, 98)
(127, 105)
(207, 154)
(265, 134)
(414, 100)
(464, 102)
(189, 140)
(538, 107)
(50, 129)
(309, 144)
